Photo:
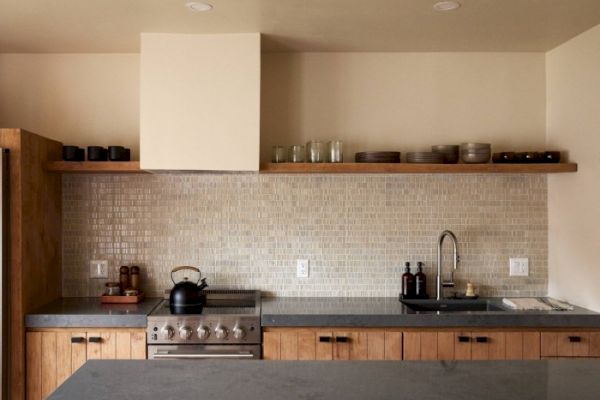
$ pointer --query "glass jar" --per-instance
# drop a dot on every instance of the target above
(296, 154)
(315, 151)
(112, 289)
(334, 151)
(279, 154)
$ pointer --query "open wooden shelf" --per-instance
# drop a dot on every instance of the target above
(404, 168)
(102, 167)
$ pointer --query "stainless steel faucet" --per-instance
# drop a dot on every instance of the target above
(441, 284)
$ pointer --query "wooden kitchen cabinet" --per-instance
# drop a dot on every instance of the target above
(321, 344)
(55, 354)
(570, 344)
(471, 345)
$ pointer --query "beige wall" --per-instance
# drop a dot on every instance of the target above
(403, 101)
(573, 80)
(81, 99)
(371, 100)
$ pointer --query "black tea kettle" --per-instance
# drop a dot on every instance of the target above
(187, 297)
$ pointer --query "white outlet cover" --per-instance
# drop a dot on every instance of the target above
(519, 267)
(302, 269)
(99, 269)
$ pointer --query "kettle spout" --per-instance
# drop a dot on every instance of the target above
(203, 284)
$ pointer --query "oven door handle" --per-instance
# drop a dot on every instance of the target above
(207, 356)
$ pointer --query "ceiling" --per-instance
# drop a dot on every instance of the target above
(109, 26)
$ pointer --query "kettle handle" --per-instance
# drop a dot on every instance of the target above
(185, 267)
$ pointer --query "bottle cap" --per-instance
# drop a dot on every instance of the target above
(407, 266)
(420, 266)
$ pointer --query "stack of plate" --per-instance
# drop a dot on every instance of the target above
(424, 157)
(475, 153)
(377, 157)
(449, 151)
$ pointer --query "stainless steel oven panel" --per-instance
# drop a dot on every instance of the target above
(249, 325)
(201, 352)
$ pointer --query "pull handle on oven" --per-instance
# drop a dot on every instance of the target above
(206, 356)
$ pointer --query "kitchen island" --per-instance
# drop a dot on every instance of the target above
(262, 380)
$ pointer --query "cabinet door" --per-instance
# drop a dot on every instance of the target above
(565, 344)
(393, 345)
(54, 355)
(289, 345)
(488, 346)
(462, 346)
(522, 345)
(324, 345)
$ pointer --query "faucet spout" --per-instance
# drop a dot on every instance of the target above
(441, 284)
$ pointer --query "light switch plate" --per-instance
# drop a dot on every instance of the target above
(519, 267)
(99, 269)
(302, 269)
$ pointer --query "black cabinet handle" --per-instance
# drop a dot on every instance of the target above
(575, 339)
(481, 339)
(464, 339)
(324, 339)
(77, 339)
(95, 339)
(341, 339)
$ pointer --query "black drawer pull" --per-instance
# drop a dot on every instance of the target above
(464, 339)
(481, 339)
(341, 339)
(95, 339)
(324, 339)
(575, 339)
(77, 339)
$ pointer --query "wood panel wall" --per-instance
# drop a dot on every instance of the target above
(35, 238)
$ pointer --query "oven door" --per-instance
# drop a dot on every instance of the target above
(202, 352)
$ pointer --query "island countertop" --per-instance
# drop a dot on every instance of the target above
(390, 312)
(89, 312)
(260, 380)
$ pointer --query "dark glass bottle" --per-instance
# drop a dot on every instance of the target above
(420, 282)
(408, 282)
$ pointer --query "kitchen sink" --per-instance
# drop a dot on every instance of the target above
(451, 305)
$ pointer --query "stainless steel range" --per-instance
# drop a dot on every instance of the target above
(227, 328)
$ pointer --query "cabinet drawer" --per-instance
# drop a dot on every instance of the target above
(565, 344)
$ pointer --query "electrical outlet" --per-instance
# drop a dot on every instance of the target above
(302, 267)
(99, 269)
(519, 267)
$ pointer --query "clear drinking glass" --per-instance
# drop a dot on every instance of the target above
(315, 151)
(334, 151)
(279, 154)
(296, 154)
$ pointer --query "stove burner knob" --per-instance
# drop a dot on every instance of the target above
(167, 332)
(221, 332)
(238, 332)
(185, 332)
(203, 332)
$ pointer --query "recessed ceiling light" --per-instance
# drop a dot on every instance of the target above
(197, 6)
(446, 5)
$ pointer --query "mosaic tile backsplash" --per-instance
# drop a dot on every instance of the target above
(248, 230)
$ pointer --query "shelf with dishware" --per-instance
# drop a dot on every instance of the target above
(102, 167)
(415, 168)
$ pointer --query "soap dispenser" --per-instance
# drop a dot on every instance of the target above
(420, 282)
(408, 283)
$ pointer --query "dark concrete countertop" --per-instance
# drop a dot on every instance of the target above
(88, 312)
(389, 312)
(374, 380)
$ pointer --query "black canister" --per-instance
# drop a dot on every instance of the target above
(97, 153)
(118, 153)
(73, 153)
